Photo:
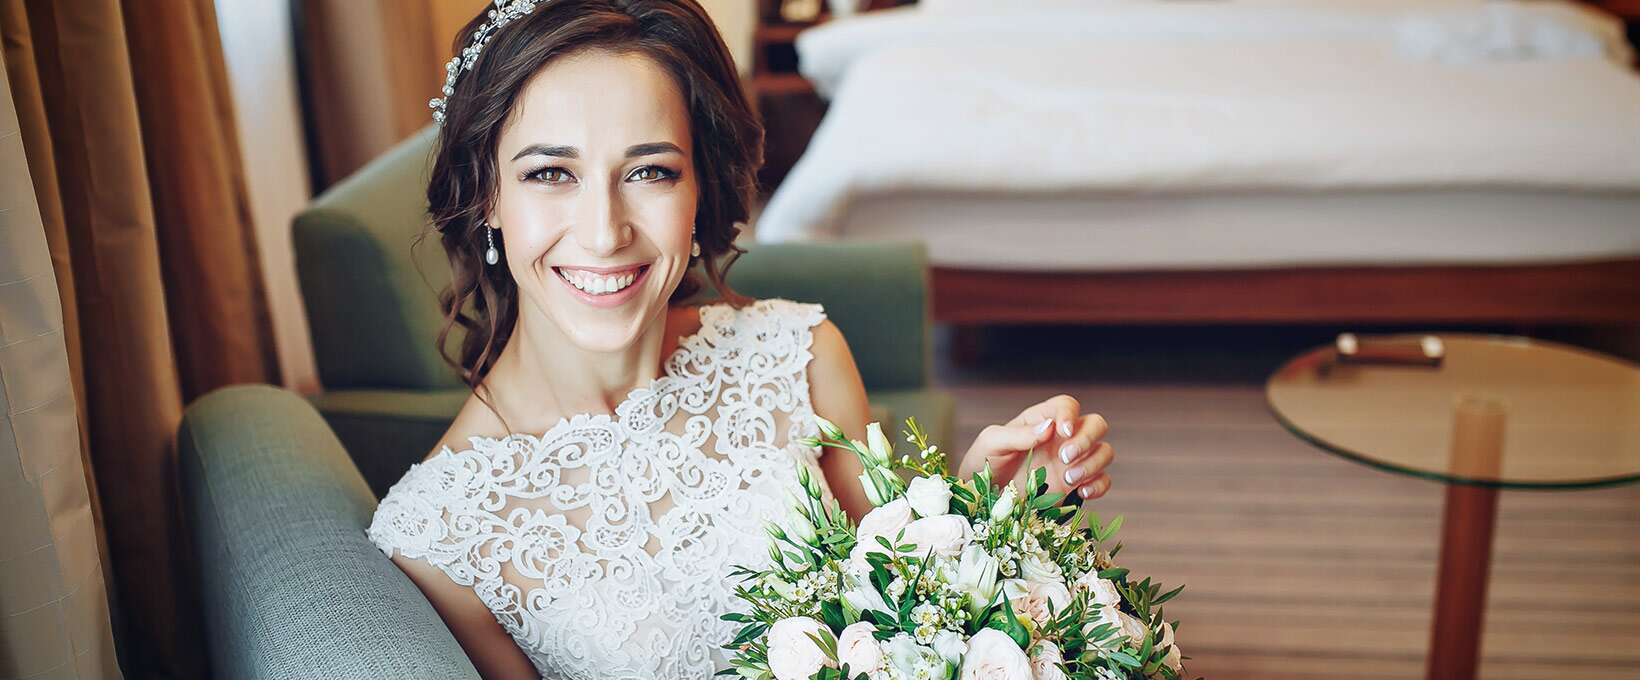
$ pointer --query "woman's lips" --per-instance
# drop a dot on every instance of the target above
(593, 276)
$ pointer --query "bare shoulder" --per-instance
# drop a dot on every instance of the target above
(835, 385)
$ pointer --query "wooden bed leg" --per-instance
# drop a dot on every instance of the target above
(967, 344)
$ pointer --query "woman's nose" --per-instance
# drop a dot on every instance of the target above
(605, 230)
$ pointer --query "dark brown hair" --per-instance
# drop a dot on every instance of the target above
(726, 135)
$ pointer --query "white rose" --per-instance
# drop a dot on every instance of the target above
(1045, 661)
(912, 660)
(1005, 503)
(929, 496)
(1100, 591)
(792, 654)
(1038, 567)
(885, 520)
(946, 534)
(857, 649)
(950, 646)
(992, 655)
(1172, 659)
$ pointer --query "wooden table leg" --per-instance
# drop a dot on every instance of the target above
(1460, 585)
(1466, 541)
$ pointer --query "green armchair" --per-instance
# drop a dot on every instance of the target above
(278, 489)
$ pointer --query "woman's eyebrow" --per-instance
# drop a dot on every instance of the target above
(650, 149)
(548, 150)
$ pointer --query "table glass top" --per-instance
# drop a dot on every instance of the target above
(1565, 417)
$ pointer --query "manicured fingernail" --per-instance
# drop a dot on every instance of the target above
(1067, 452)
(1064, 428)
(1086, 491)
(1042, 427)
(1072, 475)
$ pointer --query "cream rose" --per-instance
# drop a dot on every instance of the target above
(1039, 601)
(1101, 591)
(946, 534)
(858, 650)
(1126, 625)
(792, 654)
(1046, 660)
(992, 655)
(1173, 658)
(929, 496)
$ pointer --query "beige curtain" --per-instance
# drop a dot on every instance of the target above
(54, 617)
(124, 118)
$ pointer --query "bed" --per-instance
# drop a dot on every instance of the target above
(1102, 161)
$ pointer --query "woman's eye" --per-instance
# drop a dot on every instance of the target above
(650, 173)
(553, 175)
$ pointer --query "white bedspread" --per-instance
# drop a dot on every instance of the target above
(1135, 97)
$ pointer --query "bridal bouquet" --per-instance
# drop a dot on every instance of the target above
(945, 578)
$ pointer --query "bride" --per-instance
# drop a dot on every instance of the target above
(621, 450)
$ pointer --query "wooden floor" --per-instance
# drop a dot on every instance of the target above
(1300, 564)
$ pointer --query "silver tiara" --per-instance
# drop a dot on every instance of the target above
(504, 12)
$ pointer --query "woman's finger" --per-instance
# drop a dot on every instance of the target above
(1008, 440)
(1062, 409)
(1091, 466)
(1095, 488)
(1091, 430)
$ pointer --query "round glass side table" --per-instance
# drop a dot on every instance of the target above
(1495, 412)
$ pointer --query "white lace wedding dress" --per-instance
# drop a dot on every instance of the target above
(604, 545)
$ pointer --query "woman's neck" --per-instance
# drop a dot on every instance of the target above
(542, 375)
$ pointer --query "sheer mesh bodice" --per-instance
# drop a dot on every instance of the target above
(604, 545)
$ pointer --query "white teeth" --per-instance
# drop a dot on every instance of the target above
(597, 284)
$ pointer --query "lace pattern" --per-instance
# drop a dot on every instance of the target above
(603, 545)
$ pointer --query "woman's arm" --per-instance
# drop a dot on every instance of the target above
(838, 395)
(492, 651)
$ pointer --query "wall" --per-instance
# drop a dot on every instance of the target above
(257, 44)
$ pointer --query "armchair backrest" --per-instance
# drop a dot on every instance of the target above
(372, 301)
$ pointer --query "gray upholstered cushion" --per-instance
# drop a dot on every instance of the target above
(293, 588)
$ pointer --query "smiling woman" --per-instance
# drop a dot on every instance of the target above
(594, 161)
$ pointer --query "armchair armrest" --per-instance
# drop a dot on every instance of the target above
(292, 586)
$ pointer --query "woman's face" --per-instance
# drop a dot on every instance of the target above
(597, 193)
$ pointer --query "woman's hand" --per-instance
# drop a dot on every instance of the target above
(1069, 444)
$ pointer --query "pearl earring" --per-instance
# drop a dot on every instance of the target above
(694, 250)
(491, 255)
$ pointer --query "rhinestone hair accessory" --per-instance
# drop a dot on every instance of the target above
(502, 12)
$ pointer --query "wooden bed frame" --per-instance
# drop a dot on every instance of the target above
(1598, 294)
